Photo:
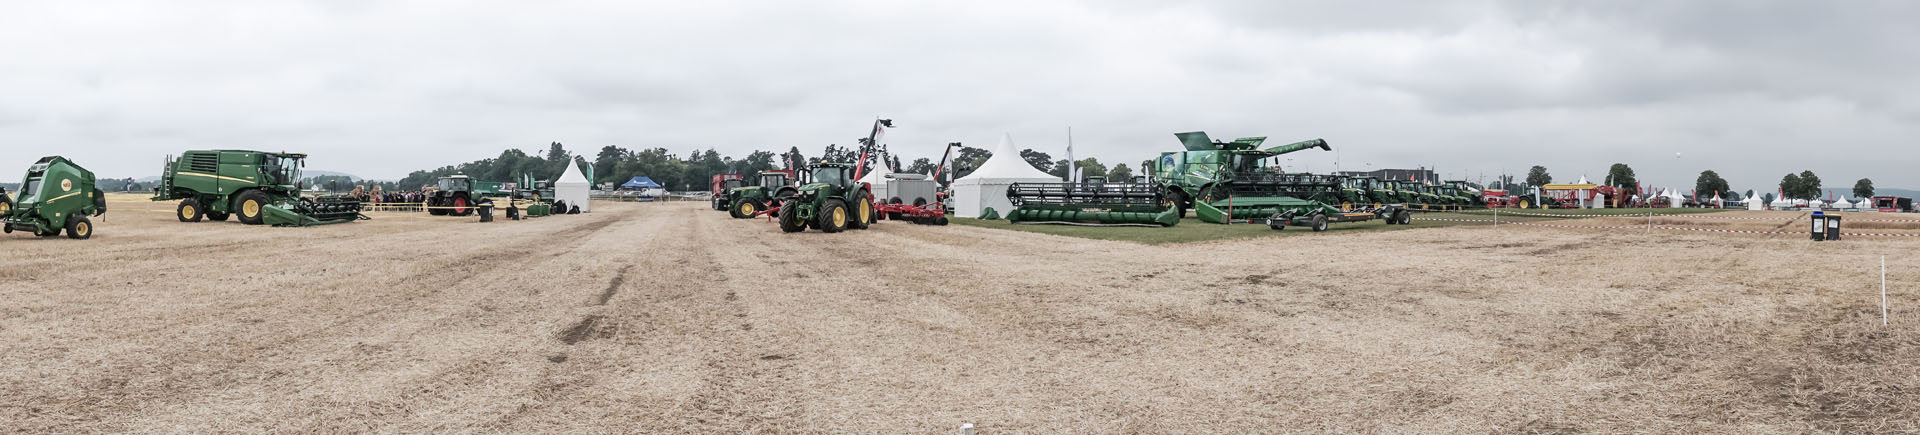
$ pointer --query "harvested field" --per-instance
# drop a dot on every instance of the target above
(666, 318)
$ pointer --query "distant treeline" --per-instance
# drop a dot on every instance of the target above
(615, 165)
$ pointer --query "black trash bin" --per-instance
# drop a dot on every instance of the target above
(1833, 228)
(1819, 226)
(486, 211)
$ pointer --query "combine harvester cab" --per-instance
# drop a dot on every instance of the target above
(56, 195)
(1092, 203)
(257, 187)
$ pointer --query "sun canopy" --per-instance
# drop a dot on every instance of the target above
(640, 183)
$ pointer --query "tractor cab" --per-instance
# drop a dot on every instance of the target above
(454, 183)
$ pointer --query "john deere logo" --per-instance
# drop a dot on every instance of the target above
(66, 185)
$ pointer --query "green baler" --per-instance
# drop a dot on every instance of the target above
(55, 195)
(258, 187)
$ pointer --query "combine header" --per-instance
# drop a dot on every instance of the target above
(1091, 203)
(258, 187)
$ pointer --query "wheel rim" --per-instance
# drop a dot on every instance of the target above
(459, 205)
(83, 229)
(839, 217)
(250, 208)
(186, 212)
(866, 210)
(5, 208)
(746, 208)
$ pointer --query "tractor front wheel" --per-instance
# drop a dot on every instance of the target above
(790, 217)
(79, 228)
(249, 207)
(189, 210)
(833, 217)
(862, 214)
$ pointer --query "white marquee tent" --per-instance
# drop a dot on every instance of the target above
(1754, 202)
(1675, 199)
(572, 187)
(986, 187)
(878, 178)
(1842, 203)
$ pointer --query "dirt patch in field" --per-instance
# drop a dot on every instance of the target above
(382, 326)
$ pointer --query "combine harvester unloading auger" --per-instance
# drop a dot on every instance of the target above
(1093, 203)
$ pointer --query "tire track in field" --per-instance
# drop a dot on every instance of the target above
(228, 369)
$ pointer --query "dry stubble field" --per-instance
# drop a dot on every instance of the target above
(662, 318)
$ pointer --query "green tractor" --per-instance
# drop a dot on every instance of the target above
(833, 202)
(458, 195)
(258, 187)
(772, 188)
(56, 195)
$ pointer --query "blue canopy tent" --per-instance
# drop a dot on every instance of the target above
(641, 183)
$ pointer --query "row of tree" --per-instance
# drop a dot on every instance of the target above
(1802, 186)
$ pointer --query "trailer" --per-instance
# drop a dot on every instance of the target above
(1281, 212)
(1893, 204)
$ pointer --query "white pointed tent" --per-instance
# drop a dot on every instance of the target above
(1717, 202)
(877, 177)
(1754, 202)
(1841, 203)
(572, 187)
(987, 186)
(1675, 199)
(1816, 203)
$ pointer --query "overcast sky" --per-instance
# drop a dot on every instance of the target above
(1753, 89)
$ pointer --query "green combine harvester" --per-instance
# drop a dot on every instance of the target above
(1094, 203)
(56, 195)
(258, 187)
(1230, 182)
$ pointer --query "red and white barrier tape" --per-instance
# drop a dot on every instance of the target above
(1673, 228)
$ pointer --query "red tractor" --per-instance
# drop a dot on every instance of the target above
(721, 185)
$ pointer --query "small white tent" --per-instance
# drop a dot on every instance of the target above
(1816, 203)
(986, 187)
(572, 188)
(1754, 202)
(1675, 199)
(1781, 202)
(1842, 203)
(877, 177)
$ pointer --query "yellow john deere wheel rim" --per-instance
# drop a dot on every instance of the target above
(250, 208)
(1346, 206)
(746, 208)
(83, 229)
(186, 211)
(866, 210)
(4, 208)
(839, 217)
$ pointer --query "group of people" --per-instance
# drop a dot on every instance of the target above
(399, 201)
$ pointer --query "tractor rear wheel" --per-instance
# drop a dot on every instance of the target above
(1319, 223)
(463, 208)
(79, 228)
(833, 217)
(217, 216)
(249, 206)
(188, 211)
(862, 214)
(790, 217)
